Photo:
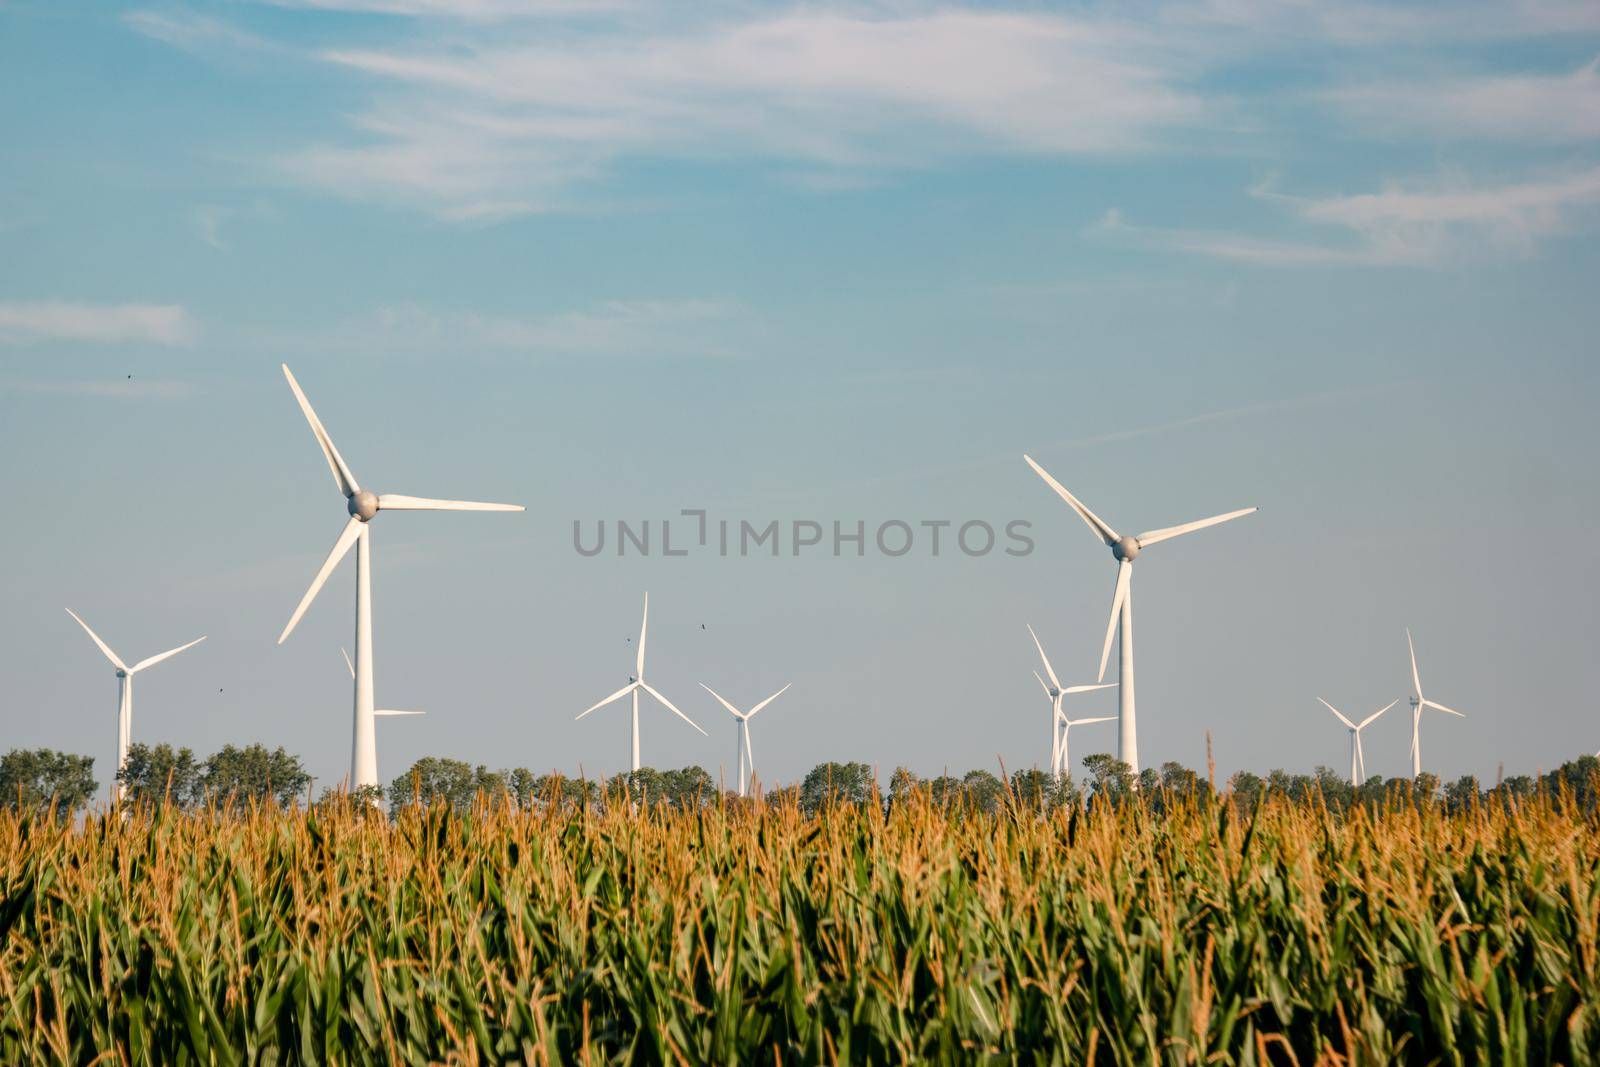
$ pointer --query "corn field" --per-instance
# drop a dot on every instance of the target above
(753, 934)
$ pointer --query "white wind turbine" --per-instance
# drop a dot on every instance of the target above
(1060, 725)
(747, 763)
(125, 675)
(380, 712)
(637, 683)
(362, 505)
(1358, 759)
(1418, 702)
(1125, 549)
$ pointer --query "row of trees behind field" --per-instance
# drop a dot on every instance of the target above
(153, 774)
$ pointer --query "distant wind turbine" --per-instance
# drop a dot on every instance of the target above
(1124, 549)
(1060, 725)
(1358, 759)
(637, 683)
(746, 760)
(363, 505)
(1418, 702)
(380, 712)
(125, 675)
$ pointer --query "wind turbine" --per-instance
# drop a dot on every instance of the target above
(1124, 549)
(1358, 759)
(1059, 723)
(362, 505)
(125, 675)
(380, 712)
(637, 683)
(746, 760)
(1419, 702)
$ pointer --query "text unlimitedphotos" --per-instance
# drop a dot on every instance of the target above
(743, 538)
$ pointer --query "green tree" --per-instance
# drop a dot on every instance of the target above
(1246, 790)
(837, 783)
(157, 773)
(1034, 789)
(253, 773)
(433, 780)
(689, 788)
(983, 791)
(902, 784)
(1462, 794)
(1109, 778)
(33, 779)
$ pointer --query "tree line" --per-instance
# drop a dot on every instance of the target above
(43, 779)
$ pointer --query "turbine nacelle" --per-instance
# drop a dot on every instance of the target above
(1126, 549)
(363, 505)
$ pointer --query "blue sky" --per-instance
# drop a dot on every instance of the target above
(829, 262)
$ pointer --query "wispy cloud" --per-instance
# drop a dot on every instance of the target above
(459, 9)
(130, 388)
(208, 220)
(1540, 108)
(1403, 225)
(483, 110)
(628, 328)
(499, 127)
(55, 320)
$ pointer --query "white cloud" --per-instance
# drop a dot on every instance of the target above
(1400, 226)
(130, 388)
(694, 328)
(482, 110)
(56, 320)
(459, 9)
(1560, 108)
(500, 127)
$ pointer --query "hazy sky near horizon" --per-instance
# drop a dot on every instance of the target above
(827, 262)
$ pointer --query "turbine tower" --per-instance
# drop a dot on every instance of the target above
(637, 683)
(1418, 702)
(362, 505)
(1059, 723)
(1125, 549)
(125, 675)
(747, 766)
(1358, 759)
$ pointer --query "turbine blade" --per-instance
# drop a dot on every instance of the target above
(764, 703)
(110, 655)
(1088, 688)
(671, 707)
(1098, 525)
(399, 502)
(1124, 571)
(1339, 713)
(397, 711)
(1043, 685)
(1047, 668)
(1416, 679)
(153, 660)
(644, 627)
(1085, 722)
(749, 757)
(347, 661)
(736, 712)
(1374, 715)
(618, 695)
(1436, 706)
(1155, 537)
(341, 473)
(347, 537)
